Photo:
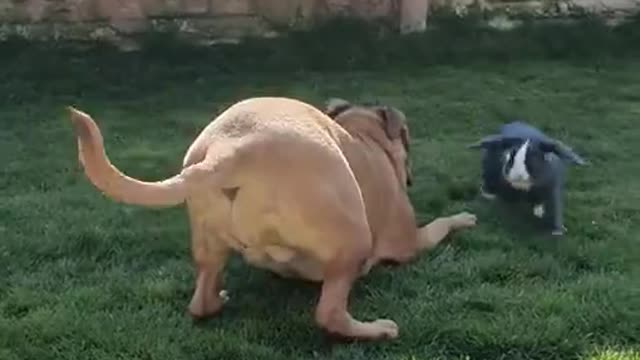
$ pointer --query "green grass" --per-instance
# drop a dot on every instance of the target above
(84, 278)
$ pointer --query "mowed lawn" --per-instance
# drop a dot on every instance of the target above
(82, 277)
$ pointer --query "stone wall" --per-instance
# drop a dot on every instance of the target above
(210, 21)
(217, 20)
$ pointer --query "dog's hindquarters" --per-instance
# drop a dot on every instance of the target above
(295, 207)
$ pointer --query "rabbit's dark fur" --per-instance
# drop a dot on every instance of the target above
(522, 163)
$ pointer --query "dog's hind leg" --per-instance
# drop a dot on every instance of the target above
(340, 274)
(328, 220)
(210, 255)
(208, 297)
(430, 235)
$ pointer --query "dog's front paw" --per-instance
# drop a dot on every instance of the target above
(463, 220)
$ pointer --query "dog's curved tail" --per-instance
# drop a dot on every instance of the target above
(112, 182)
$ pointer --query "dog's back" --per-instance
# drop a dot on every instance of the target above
(262, 118)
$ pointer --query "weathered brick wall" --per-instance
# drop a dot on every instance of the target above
(217, 20)
(281, 11)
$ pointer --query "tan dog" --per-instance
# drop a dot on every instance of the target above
(293, 191)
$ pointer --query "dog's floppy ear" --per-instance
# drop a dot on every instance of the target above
(394, 123)
(404, 135)
(563, 151)
(496, 140)
(336, 106)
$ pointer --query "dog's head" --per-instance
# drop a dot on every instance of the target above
(526, 161)
(392, 123)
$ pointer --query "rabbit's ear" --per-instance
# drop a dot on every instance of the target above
(563, 151)
(494, 141)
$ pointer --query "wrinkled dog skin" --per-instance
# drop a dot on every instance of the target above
(521, 162)
(314, 195)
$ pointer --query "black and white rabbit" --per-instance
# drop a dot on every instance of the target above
(523, 163)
